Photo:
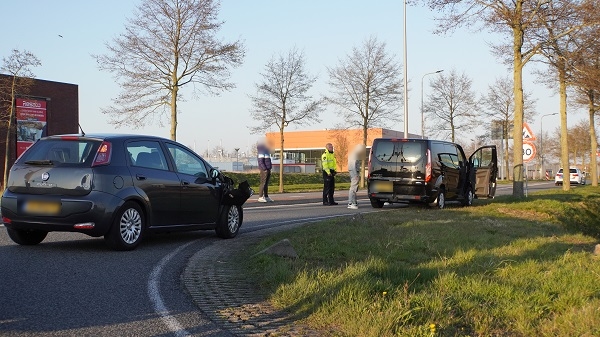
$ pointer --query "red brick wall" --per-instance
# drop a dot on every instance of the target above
(62, 113)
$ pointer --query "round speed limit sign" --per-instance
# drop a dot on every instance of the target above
(528, 152)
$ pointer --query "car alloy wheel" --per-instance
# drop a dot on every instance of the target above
(130, 226)
(233, 219)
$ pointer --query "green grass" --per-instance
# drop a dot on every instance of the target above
(502, 268)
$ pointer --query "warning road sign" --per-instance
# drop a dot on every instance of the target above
(528, 152)
(527, 133)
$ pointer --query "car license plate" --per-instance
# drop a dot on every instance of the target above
(42, 207)
(384, 187)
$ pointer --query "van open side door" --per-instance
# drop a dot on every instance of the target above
(483, 171)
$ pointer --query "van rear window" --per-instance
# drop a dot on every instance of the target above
(401, 152)
(59, 152)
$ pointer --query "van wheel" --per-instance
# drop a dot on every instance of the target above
(128, 228)
(376, 203)
(441, 199)
(229, 222)
(468, 201)
(26, 238)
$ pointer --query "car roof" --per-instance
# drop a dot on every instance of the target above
(105, 136)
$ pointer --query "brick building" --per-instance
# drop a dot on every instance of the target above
(307, 146)
(50, 108)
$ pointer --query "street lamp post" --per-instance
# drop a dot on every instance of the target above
(422, 110)
(405, 78)
(542, 172)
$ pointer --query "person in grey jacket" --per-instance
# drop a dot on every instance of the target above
(354, 159)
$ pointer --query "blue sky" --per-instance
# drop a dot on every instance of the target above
(325, 30)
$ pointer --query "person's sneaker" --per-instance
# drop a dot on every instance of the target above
(352, 206)
(333, 203)
(262, 199)
(269, 199)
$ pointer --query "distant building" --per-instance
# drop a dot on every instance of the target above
(50, 108)
(306, 147)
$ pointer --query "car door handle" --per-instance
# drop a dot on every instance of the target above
(185, 183)
(140, 177)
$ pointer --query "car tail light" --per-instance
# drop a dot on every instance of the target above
(428, 167)
(6, 220)
(103, 155)
(575, 175)
(69, 137)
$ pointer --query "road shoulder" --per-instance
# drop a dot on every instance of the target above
(218, 287)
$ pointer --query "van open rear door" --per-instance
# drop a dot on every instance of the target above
(483, 165)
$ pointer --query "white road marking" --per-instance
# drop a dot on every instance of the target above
(156, 298)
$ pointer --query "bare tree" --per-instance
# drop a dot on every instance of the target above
(366, 86)
(342, 146)
(586, 81)
(516, 18)
(281, 98)
(18, 82)
(167, 44)
(563, 19)
(451, 104)
(499, 102)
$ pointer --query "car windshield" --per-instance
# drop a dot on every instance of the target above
(58, 152)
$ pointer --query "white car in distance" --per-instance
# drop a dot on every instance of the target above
(576, 176)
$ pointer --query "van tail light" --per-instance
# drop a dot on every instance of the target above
(428, 167)
(103, 155)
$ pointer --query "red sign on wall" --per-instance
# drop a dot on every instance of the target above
(31, 122)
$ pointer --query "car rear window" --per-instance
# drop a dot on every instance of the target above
(59, 152)
(572, 170)
(398, 151)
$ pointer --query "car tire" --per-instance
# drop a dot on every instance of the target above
(441, 199)
(26, 238)
(468, 201)
(128, 228)
(230, 221)
(376, 203)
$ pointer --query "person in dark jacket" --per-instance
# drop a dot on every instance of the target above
(264, 166)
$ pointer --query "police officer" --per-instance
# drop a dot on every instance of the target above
(329, 165)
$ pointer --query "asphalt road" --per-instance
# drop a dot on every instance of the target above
(73, 285)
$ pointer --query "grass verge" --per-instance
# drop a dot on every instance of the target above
(502, 268)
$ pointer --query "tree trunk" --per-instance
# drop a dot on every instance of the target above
(518, 118)
(506, 155)
(9, 133)
(564, 148)
(281, 157)
(593, 141)
(174, 112)
(362, 156)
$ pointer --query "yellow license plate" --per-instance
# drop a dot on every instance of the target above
(384, 187)
(42, 207)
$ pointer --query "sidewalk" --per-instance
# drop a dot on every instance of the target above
(214, 279)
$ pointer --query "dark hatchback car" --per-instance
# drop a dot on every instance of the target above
(119, 187)
(430, 172)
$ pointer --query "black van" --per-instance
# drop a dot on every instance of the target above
(429, 171)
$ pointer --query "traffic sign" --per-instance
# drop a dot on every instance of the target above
(528, 152)
(527, 133)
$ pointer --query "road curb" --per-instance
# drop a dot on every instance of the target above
(218, 287)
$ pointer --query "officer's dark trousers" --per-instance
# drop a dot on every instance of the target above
(328, 188)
